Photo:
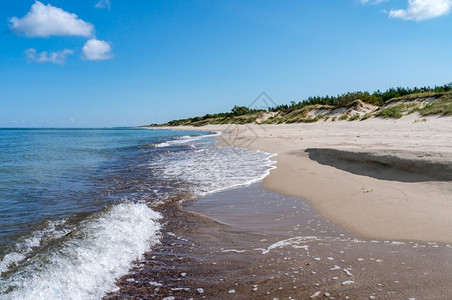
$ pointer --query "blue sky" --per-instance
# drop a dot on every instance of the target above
(118, 63)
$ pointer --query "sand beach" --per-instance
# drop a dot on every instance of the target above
(380, 179)
(353, 210)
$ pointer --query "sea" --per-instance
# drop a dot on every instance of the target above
(79, 206)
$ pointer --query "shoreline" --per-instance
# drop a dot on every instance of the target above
(384, 202)
(253, 243)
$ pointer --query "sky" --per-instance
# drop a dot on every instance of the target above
(107, 63)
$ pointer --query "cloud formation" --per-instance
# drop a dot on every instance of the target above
(58, 57)
(420, 10)
(97, 50)
(47, 20)
(103, 4)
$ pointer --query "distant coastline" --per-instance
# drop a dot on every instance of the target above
(384, 177)
(393, 103)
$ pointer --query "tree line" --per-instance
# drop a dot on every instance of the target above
(239, 113)
(376, 98)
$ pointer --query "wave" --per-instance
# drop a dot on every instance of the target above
(212, 169)
(93, 256)
(69, 261)
(52, 230)
(185, 139)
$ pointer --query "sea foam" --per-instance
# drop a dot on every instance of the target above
(101, 250)
(185, 139)
(53, 230)
(86, 263)
(212, 169)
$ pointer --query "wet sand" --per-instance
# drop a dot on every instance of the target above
(375, 223)
(380, 179)
(252, 243)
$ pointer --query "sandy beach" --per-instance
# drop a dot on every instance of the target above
(353, 210)
(252, 243)
(379, 179)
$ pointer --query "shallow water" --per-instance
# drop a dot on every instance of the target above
(78, 206)
(263, 245)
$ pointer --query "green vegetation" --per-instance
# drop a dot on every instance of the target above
(391, 112)
(376, 98)
(298, 115)
(354, 117)
(422, 120)
(316, 108)
(238, 115)
(418, 96)
(397, 111)
(343, 117)
(442, 106)
(365, 117)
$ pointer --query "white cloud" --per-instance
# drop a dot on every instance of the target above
(97, 50)
(58, 57)
(103, 4)
(419, 10)
(47, 20)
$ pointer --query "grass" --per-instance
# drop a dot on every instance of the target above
(422, 120)
(354, 117)
(201, 121)
(442, 106)
(394, 112)
(398, 110)
(295, 116)
(312, 119)
(365, 117)
(343, 117)
(416, 96)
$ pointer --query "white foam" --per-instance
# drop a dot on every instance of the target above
(184, 140)
(233, 250)
(102, 249)
(52, 230)
(295, 241)
(10, 259)
(164, 144)
(217, 168)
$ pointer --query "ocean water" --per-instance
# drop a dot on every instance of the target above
(79, 206)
